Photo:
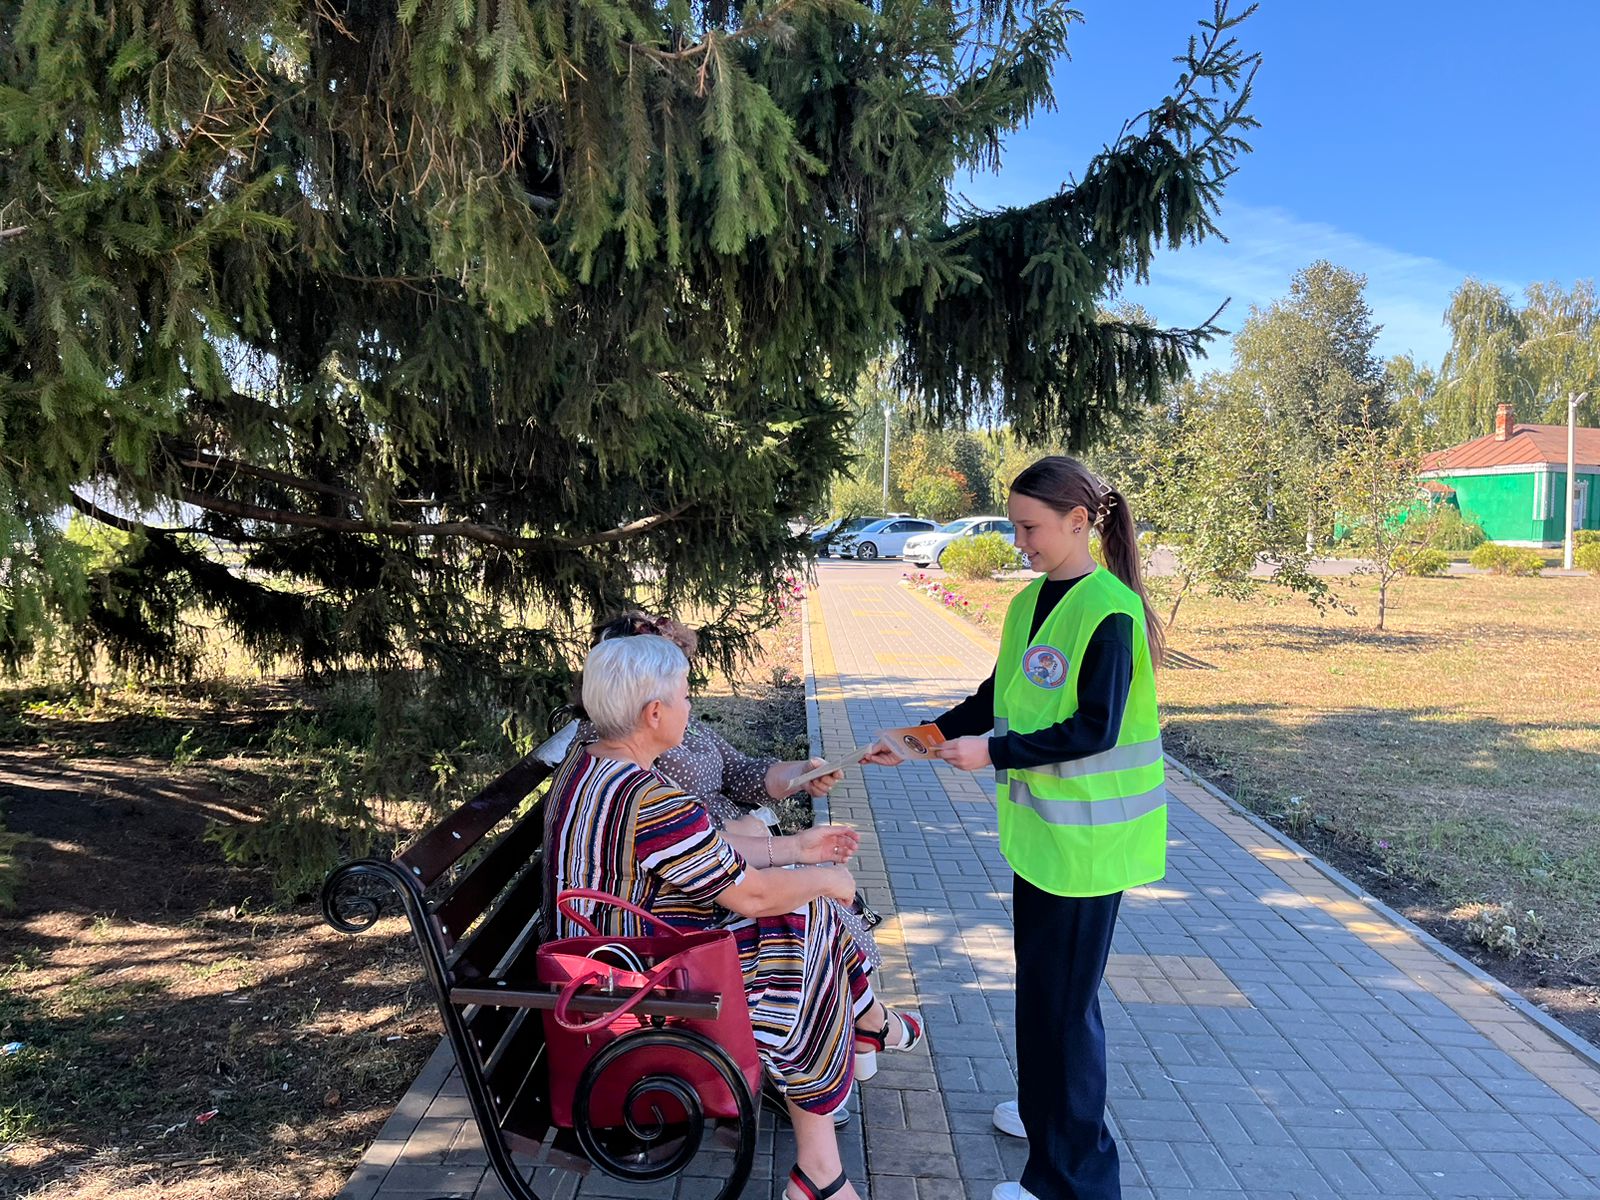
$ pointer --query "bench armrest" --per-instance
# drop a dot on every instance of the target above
(663, 1002)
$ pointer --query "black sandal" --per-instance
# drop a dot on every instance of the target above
(809, 1190)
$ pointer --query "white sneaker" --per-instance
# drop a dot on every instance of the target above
(1008, 1120)
(1011, 1191)
(841, 1115)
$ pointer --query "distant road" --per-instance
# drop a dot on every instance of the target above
(1161, 564)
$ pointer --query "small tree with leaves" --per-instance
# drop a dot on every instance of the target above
(1308, 362)
(940, 495)
(1373, 481)
(1201, 480)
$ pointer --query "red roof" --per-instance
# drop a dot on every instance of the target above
(1528, 445)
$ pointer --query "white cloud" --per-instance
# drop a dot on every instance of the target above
(1408, 293)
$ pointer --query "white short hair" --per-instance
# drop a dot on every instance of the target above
(622, 675)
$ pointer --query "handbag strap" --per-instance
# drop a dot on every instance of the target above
(651, 982)
(582, 922)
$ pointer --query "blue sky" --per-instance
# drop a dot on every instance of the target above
(1416, 141)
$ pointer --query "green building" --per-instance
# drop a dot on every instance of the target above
(1513, 482)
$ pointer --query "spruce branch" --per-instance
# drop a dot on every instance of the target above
(115, 521)
(199, 460)
(488, 535)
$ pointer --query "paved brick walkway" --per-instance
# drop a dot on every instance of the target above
(1272, 1037)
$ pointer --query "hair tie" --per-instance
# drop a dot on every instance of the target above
(1108, 499)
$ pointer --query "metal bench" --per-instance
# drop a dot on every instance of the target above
(472, 889)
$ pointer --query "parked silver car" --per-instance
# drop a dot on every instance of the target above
(883, 539)
(826, 537)
(925, 548)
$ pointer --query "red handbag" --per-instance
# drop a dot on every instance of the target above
(698, 961)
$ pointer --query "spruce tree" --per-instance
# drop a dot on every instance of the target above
(376, 329)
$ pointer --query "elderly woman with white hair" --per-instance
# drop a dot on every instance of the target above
(736, 789)
(613, 824)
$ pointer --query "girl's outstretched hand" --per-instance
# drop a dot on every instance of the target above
(966, 753)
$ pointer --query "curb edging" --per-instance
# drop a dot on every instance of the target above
(819, 804)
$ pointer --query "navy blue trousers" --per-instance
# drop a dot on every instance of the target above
(1061, 946)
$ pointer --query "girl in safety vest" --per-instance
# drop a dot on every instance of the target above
(1076, 751)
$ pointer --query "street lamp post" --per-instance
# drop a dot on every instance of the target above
(1572, 471)
(886, 455)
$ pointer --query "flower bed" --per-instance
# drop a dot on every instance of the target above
(936, 591)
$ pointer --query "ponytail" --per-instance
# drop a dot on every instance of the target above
(1119, 538)
(1065, 484)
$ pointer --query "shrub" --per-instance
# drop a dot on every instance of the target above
(1449, 530)
(1586, 537)
(1500, 559)
(1503, 928)
(1587, 558)
(979, 557)
(852, 496)
(380, 757)
(1424, 561)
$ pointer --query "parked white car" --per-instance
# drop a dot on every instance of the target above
(883, 539)
(927, 548)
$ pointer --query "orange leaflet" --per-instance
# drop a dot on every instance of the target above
(914, 741)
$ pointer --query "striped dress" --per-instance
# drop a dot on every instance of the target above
(731, 785)
(618, 828)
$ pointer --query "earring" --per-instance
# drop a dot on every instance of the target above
(1079, 529)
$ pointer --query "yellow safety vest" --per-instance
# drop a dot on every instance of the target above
(1094, 825)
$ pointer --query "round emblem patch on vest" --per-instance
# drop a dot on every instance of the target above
(1045, 666)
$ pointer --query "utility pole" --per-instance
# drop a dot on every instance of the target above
(1572, 470)
(886, 454)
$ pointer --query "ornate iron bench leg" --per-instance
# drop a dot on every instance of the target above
(641, 1152)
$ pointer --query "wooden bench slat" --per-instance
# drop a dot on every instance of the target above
(436, 851)
(486, 1026)
(663, 1002)
(511, 926)
(519, 846)
(441, 847)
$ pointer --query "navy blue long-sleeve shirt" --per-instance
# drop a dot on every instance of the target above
(1103, 683)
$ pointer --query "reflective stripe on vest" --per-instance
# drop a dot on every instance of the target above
(1087, 812)
(1119, 758)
